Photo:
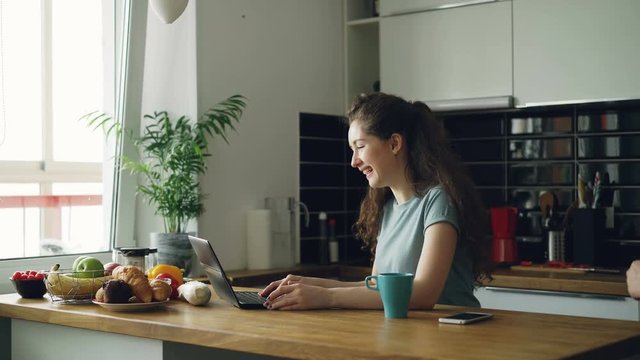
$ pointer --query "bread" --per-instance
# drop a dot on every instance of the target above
(136, 280)
(100, 295)
(161, 289)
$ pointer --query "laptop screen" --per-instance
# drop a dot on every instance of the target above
(213, 269)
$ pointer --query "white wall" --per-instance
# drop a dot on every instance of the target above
(286, 57)
(169, 84)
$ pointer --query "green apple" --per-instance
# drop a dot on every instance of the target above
(77, 261)
(89, 267)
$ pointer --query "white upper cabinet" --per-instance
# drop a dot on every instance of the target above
(575, 50)
(394, 7)
(455, 53)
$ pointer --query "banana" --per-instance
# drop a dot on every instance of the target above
(68, 287)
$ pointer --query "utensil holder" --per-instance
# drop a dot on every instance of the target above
(589, 236)
(556, 246)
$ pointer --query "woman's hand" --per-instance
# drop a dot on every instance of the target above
(298, 296)
(633, 279)
(289, 279)
(295, 279)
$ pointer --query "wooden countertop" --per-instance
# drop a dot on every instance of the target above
(570, 281)
(348, 333)
(589, 283)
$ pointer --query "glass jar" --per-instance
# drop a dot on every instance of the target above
(152, 259)
(137, 257)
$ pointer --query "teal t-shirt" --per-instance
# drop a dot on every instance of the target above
(402, 236)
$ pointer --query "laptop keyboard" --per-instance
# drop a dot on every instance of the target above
(250, 297)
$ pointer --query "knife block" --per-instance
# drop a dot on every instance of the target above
(589, 236)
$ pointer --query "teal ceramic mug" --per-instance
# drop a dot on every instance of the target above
(395, 291)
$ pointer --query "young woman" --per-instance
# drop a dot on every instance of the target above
(421, 213)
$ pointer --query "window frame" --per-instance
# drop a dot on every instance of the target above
(129, 25)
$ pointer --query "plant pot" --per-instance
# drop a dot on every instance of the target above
(174, 249)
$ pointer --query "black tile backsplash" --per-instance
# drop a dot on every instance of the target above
(541, 174)
(313, 231)
(322, 175)
(609, 121)
(561, 124)
(322, 150)
(355, 178)
(480, 150)
(354, 198)
(492, 197)
(527, 199)
(487, 174)
(513, 155)
(541, 149)
(324, 126)
(544, 149)
(623, 146)
(483, 125)
(622, 173)
(329, 184)
(323, 199)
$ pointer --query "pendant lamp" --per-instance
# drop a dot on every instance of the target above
(168, 10)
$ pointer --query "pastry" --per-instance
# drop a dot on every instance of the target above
(116, 291)
(161, 289)
(136, 280)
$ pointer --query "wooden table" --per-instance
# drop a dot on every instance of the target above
(345, 334)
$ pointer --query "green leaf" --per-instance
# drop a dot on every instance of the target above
(171, 156)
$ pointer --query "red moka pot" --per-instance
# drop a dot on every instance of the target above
(504, 245)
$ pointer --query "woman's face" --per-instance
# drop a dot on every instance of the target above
(374, 157)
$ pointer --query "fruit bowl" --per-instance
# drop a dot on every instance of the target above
(29, 289)
(69, 287)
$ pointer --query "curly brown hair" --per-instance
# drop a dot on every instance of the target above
(431, 161)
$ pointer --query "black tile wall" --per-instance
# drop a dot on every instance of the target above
(513, 155)
(329, 184)
(322, 175)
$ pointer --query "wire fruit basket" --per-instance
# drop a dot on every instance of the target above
(71, 287)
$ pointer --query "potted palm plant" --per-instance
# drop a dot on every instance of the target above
(171, 156)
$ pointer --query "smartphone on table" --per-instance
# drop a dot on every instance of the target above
(465, 318)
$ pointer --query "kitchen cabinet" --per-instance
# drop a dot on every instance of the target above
(362, 38)
(455, 53)
(575, 50)
(395, 7)
(558, 302)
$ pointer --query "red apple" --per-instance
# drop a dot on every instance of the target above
(108, 267)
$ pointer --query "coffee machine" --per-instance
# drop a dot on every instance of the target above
(504, 245)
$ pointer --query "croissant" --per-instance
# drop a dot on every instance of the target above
(161, 289)
(136, 280)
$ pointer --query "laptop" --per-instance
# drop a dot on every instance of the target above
(218, 279)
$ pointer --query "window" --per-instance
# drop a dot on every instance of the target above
(55, 66)
(61, 193)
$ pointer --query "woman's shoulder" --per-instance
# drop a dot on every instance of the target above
(436, 192)
(436, 197)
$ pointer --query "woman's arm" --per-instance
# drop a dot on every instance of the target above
(435, 261)
(313, 281)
